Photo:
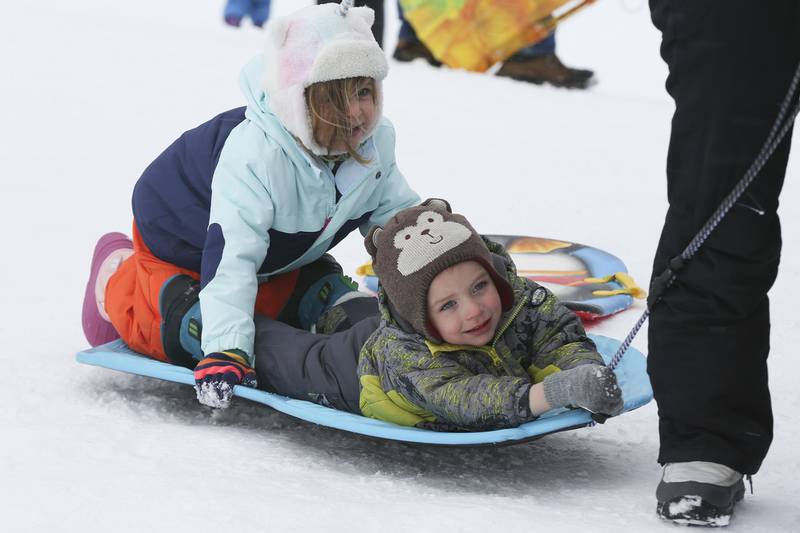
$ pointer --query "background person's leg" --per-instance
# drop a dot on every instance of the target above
(259, 12)
(235, 11)
(543, 47)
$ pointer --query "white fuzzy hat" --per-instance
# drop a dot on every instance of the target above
(318, 43)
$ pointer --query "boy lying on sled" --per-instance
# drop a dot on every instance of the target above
(462, 343)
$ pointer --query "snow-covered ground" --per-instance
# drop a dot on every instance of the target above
(92, 91)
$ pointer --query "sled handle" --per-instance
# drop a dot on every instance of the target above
(629, 286)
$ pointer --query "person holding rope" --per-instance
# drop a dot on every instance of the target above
(730, 65)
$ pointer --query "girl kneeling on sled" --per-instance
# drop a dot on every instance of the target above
(463, 342)
(235, 217)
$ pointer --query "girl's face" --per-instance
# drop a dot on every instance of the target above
(359, 114)
(464, 305)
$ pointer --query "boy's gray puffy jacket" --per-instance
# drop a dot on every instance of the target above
(408, 380)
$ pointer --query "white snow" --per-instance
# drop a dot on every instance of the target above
(92, 91)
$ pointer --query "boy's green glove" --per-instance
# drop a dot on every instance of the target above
(216, 375)
(592, 387)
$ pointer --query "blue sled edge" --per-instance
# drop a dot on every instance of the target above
(631, 374)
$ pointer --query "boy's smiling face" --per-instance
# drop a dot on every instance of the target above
(464, 305)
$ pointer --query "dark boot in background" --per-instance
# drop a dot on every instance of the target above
(546, 68)
(411, 49)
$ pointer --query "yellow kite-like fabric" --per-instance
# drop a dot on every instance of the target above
(475, 34)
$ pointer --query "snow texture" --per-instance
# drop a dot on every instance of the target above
(93, 90)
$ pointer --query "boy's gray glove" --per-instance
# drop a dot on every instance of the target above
(592, 387)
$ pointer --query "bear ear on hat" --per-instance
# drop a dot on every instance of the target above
(371, 240)
(438, 202)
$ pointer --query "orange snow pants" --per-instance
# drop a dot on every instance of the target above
(132, 297)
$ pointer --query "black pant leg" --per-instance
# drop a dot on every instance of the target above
(309, 366)
(730, 64)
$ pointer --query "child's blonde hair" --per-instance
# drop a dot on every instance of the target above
(328, 103)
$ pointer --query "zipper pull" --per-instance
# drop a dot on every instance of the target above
(749, 478)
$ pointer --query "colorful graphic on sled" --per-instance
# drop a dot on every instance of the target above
(589, 281)
(631, 375)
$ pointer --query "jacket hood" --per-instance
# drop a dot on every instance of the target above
(260, 113)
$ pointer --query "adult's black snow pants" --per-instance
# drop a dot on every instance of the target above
(730, 64)
(308, 366)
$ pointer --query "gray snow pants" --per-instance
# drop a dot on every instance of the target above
(309, 366)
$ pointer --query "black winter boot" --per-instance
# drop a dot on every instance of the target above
(181, 327)
(319, 286)
(699, 493)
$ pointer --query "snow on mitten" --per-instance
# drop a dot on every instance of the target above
(216, 375)
(592, 387)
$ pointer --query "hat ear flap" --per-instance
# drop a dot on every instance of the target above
(438, 202)
(371, 240)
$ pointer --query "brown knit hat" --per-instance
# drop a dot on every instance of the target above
(414, 247)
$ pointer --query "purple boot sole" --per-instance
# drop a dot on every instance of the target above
(96, 328)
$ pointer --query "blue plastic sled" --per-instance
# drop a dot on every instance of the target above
(631, 374)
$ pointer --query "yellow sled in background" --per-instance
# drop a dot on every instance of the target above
(476, 34)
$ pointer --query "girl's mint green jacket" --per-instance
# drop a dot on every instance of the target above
(238, 199)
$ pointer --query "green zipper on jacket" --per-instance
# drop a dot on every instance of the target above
(504, 327)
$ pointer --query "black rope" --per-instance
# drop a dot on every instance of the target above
(664, 280)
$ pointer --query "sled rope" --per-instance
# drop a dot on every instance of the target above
(664, 280)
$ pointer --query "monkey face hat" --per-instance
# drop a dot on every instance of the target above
(416, 245)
